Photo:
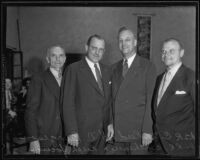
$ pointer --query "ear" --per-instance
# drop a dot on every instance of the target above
(182, 52)
(86, 48)
(47, 58)
(135, 42)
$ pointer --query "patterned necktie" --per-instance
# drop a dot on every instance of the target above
(125, 67)
(98, 75)
(59, 77)
(163, 86)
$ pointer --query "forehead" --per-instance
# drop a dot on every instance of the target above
(171, 45)
(97, 42)
(126, 33)
(56, 50)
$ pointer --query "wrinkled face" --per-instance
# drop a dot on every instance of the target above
(95, 50)
(56, 58)
(127, 43)
(8, 84)
(171, 53)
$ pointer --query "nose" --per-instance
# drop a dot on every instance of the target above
(57, 58)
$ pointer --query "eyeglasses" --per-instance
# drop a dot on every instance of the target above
(170, 52)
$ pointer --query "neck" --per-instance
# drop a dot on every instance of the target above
(57, 69)
(171, 66)
(130, 55)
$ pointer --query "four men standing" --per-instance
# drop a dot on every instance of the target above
(99, 104)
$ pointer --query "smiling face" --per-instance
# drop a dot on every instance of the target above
(56, 57)
(172, 53)
(95, 50)
(127, 43)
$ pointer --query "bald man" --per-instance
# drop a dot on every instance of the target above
(174, 103)
(42, 117)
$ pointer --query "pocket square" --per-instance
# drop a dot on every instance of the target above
(110, 82)
(180, 92)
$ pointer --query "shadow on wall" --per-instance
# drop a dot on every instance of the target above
(35, 65)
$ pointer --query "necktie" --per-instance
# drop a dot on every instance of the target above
(125, 67)
(163, 86)
(59, 78)
(98, 75)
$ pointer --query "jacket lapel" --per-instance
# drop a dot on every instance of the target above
(132, 72)
(117, 77)
(159, 79)
(51, 83)
(85, 69)
(172, 86)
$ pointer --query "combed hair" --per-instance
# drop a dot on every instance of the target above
(124, 28)
(173, 39)
(55, 46)
(94, 36)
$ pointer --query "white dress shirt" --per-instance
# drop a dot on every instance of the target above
(91, 65)
(56, 75)
(168, 76)
(130, 60)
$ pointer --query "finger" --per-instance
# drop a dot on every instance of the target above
(108, 136)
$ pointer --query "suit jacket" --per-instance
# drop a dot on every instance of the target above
(86, 110)
(42, 116)
(132, 97)
(175, 114)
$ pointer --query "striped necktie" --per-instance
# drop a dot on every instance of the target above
(125, 68)
(98, 75)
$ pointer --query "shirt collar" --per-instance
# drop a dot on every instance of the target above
(54, 72)
(130, 60)
(90, 63)
(175, 68)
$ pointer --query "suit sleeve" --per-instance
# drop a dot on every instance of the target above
(150, 84)
(68, 102)
(33, 103)
(192, 89)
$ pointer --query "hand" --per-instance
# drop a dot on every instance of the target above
(110, 133)
(35, 147)
(67, 150)
(12, 113)
(73, 139)
(146, 139)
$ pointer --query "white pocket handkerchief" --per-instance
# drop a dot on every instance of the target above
(110, 82)
(180, 92)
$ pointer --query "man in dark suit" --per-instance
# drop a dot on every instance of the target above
(132, 88)
(174, 101)
(42, 116)
(86, 102)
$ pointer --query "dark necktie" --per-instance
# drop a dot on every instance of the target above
(98, 77)
(125, 67)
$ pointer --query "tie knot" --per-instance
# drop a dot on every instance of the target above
(125, 61)
(95, 65)
(59, 74)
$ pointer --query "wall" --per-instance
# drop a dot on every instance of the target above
(11, 31)
(42, 27)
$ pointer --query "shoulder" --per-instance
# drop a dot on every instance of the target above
(40, 76)
(145, 62)
(189, 74)
(75, 65)
(188, 71)
(116, 65)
